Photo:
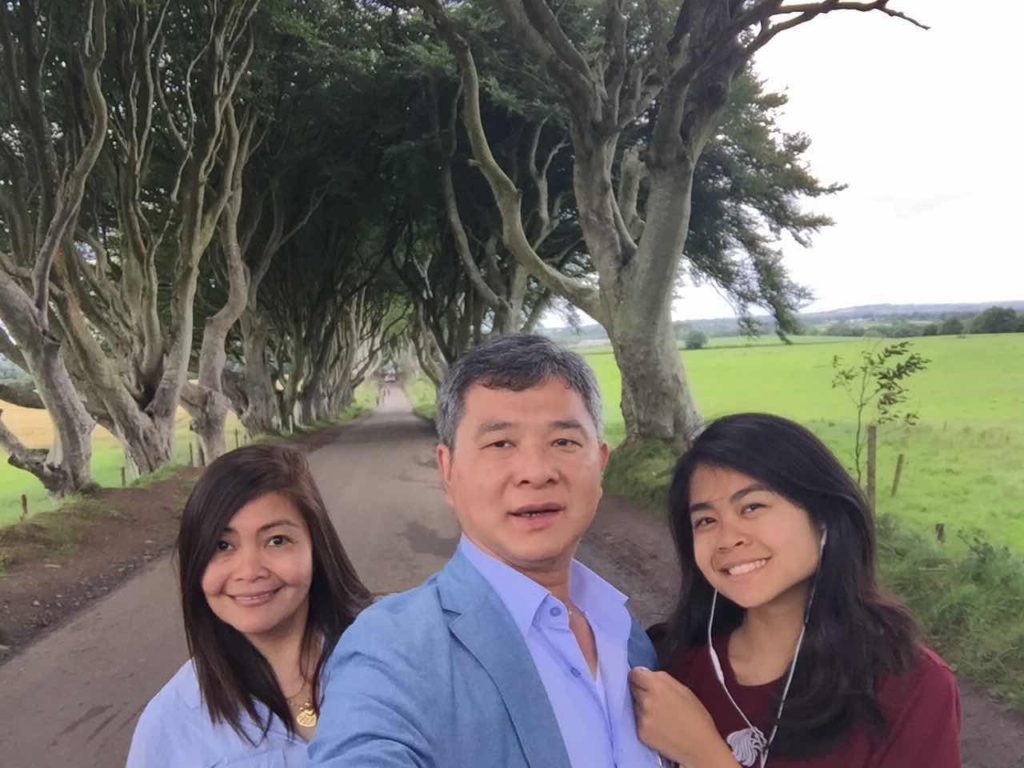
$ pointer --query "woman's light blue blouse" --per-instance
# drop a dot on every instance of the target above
(175, 731)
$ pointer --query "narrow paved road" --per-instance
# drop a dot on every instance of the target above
(71, 700)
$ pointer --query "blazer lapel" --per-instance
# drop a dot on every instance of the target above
(480, 621)
(640, 649)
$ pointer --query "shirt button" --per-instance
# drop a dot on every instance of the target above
(575, 672)
(556, 611)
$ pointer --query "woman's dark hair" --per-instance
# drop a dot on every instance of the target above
(232, 674)
(854, 633)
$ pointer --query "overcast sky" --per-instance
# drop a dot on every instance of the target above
(925, 127)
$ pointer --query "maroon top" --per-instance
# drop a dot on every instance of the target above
(922, 710)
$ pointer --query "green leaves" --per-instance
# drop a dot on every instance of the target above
(877, 387)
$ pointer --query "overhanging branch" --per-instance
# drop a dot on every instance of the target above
(506, 195)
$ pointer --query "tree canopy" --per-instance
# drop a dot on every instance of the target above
(249, 204)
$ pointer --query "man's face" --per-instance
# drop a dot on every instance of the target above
(524, 476)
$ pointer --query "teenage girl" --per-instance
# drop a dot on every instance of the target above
(782, 650)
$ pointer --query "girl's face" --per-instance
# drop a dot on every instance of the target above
(259, 577)
(752, 545)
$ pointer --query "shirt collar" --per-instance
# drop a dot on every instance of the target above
(523, 596)
(603, 603)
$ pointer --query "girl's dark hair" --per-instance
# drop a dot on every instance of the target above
(233, 675)
(854, 633)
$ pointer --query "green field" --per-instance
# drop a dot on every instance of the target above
(35, 430)
(963, 465)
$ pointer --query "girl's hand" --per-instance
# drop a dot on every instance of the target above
(672, 721)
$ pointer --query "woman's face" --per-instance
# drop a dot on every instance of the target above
(259, 577)
(752, 545)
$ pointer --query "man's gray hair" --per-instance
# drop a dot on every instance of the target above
(515, 362)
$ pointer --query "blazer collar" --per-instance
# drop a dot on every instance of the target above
(479, 620)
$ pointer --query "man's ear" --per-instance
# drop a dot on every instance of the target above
(444, 466)
(604, 450)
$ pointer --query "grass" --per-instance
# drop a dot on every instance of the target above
(422, 396)
(959, 461)
(35, 429)
(56, 531)
(970, 606)
(641, 472)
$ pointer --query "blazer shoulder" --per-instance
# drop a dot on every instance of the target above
(404, 620)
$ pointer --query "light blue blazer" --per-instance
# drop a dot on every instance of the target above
(441, 677)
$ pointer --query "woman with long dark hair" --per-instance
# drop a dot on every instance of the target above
(783, 650)
(266, 592)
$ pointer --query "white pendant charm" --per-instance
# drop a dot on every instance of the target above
(747, 745)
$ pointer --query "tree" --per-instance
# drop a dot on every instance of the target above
(127, 286)
(877, 388)
(50, 142)
(696, 339)
(995, 320)
(952, 326)
(276, 187)
(671, 67)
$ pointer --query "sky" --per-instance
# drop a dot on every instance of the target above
(925, 128)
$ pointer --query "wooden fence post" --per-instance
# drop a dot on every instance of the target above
(236, 438)
(872, 463)
(899, 473)
(24, 506)
(191, 455)
(123, 478)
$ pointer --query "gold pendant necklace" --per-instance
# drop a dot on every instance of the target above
(305, 713)
(306, 716)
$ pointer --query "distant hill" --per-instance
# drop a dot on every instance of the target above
(867, 313)
(905, 311)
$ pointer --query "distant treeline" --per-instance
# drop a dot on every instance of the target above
(886, 320)
(991, 320)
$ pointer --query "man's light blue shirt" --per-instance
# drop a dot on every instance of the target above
(594, 714)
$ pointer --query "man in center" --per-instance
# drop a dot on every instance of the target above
(514, 654)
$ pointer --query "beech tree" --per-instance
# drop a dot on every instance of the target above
(617, 66)
(53, 125)
(126, 298)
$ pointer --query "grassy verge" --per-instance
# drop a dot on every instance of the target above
(971, 607)
(642, 473)
(422, 396)
(55, 532)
